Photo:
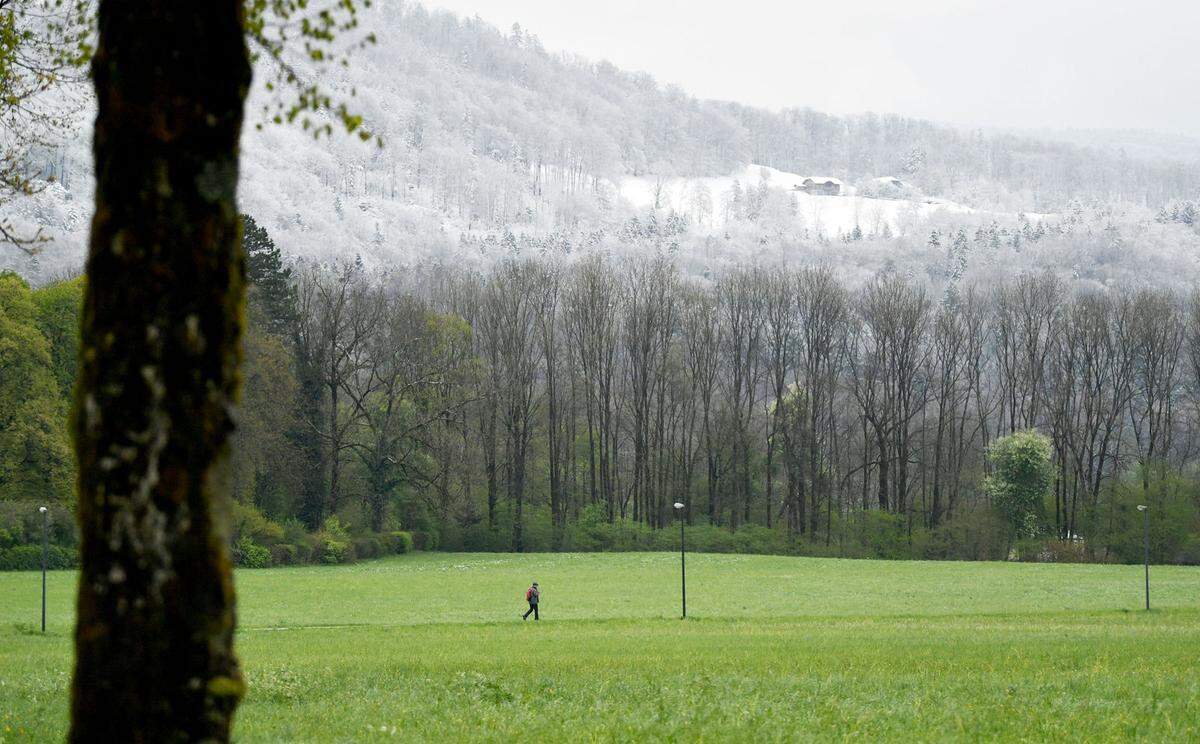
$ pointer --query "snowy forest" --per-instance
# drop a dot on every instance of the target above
(493, 146)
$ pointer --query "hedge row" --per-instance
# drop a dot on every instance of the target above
(29, 558)
(325, 547)
(245, 553)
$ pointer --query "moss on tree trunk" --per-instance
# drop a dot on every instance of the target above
(162, 324)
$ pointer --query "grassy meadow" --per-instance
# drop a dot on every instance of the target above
(431, 647)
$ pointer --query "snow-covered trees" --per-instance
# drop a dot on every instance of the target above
(521, 138)
(43, 45)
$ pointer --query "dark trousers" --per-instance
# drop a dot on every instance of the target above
(533, 609)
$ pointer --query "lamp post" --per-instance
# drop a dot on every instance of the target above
(44, 512)
(1145, 510)
(682, 561)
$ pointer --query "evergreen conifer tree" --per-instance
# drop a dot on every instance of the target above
(272, 290)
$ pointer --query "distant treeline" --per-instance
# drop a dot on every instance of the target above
(568, 406)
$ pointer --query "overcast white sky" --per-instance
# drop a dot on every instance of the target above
(1000, 63)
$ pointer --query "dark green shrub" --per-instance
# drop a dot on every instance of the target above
(754, 538)
(592, 531)
(978, 534)
(63, 530)
(247, 554)
(333, 543)
(400, 542)
(304, 551)
(294, 531)
(366, 548)
(478, 538)
(10, 524)
(29, 558)
(284, 554)
(249, 522)
(22, 521)
(64, 558)
(708, 538)
(1117, 533)
(1189, 552)
(884, 535)
(425, 540)
(538, 530)
(334, 552)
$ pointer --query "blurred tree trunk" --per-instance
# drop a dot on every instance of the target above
(159, 378)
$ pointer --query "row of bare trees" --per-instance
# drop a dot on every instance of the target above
(770, 396)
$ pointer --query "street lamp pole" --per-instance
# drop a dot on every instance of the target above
(1145, 510)
(44, 512)
(682, 561)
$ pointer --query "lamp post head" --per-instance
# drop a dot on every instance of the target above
(1142, 507)
(678, 505)
(43, 509)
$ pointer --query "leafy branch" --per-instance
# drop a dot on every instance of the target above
(279, 30)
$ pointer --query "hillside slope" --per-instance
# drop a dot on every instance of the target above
(718, 200)
(486, 134)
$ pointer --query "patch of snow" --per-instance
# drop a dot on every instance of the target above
(708, 202)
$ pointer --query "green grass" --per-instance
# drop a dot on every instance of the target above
(431, 647)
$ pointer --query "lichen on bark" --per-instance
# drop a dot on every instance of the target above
(158, 380)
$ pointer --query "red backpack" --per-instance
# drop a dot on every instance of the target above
(529, 594)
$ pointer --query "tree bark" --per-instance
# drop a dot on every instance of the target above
(162, 324)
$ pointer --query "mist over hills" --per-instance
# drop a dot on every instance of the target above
(1163, 148)
(495, 147)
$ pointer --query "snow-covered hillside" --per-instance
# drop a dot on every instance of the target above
(711, 202)
(494, 146)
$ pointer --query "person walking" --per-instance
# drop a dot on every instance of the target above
(532, 595)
